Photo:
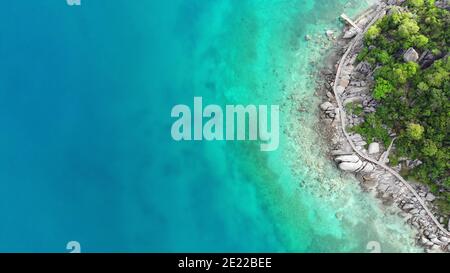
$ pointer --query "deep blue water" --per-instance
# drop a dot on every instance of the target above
(85, 147)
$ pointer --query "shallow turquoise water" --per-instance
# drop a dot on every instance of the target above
(86, 152)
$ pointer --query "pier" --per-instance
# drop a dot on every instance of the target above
(350, 21)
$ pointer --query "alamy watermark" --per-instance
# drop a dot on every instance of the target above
(235, 122)
(374, 247)
(73, 247)
(73, 2)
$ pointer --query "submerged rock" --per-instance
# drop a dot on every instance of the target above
(330, 34)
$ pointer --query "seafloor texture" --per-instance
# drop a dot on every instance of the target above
(86, 152)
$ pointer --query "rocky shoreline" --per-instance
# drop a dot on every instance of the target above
(347, 82)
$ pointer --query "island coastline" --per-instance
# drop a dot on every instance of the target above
(348, 150)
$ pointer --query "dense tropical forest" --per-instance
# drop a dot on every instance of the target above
(409, 51)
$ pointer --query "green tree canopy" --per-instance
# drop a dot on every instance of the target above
(382, 88)
(415, 131)
(372, 33)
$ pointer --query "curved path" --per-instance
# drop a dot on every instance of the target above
(385, 155)
(342, 62)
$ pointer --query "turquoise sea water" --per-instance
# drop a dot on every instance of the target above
(85, 147)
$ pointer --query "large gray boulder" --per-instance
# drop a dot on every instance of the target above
(364, 68)
(350, 166)
(347, 158)
(352, 32)
(374, 148)
(430, 197)
(443, 4)
(368, 168)
(411, 55)
(395, 2)
(349, 163)
(326, 106)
